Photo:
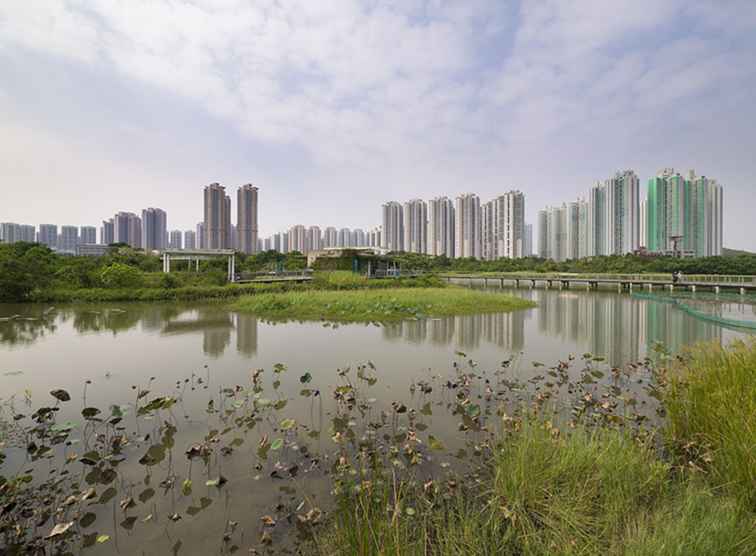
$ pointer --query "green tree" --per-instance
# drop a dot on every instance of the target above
(119, 275)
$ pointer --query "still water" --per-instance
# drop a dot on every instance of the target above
(191, 351)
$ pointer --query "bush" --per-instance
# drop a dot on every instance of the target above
(169, 281)
(119, 275)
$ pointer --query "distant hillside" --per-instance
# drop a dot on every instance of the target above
(734, 252)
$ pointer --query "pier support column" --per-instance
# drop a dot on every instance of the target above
(693, 289)
(517, 283)
(742, 291)
(716, 290)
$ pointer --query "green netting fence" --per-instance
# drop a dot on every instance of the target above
(682, 304)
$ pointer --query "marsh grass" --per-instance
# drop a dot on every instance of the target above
(377, 304)
(584, 492)
(710, 399)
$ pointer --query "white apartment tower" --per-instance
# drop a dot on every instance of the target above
(415, 226)
(467, 233)
(440, 227)
(503, 226)
(392, 237)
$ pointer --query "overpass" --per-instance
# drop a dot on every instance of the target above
(692, 282)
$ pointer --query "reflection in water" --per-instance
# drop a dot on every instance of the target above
(506, 330)
(616, 326)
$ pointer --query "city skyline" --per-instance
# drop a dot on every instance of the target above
(358, 103)
(616, 218)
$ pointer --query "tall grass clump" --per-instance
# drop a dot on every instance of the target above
(587, 491)
(710, 399)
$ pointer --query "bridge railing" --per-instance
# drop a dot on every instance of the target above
(274, 274)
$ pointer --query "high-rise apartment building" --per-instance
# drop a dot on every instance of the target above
(10, 232)
(48, 235)
(467, 233)
(440, 227)
(298, 239)
(374, 237)
(623, 213)
(68, 239)
(190, 240)
(527, 242)
(689, 210)
(107, 232)
(503, 226)
(174, 239)
(154, 229)
(127, 228)
(314, 239)
(200, 235)
(330, 237)
(415, 220)
(246, 218)
(28, 233)
(217, 223)
(359, 238)
(392, 216)
(87, 235)
(344, 238)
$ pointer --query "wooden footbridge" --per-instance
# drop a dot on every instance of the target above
(710, 282)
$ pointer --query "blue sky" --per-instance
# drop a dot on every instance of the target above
(333, 107)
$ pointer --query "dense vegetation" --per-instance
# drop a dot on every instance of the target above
(30, 271)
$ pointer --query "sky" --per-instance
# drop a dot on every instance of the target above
(333, 107)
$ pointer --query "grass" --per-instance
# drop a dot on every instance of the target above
(584, 492)
(377, 304)
(710, 399)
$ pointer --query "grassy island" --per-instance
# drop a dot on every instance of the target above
(377, 304)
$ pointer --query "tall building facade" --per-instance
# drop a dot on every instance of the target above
(68, 239)
(246, 218)
(623, 213)
(48, 235)
(415, 220)
(689, 210)
(359, 238)
(217, 222)
(127, 228)
(374, 237)
(503, 226)
(107, 232)
(344, 239)
(154, 229)
(527, 242)
(467, 232)
(87, 235)
(392, 216)
(440, 227)
(297, 239)
(314, 239)
(10, 232)
(190, 239)
(331, 237)
(174, 239)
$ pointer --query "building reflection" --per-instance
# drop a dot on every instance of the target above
(620, 328)
(505, 330)
(246, 334)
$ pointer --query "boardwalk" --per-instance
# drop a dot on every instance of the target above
(716, 283)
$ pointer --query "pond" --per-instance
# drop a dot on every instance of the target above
(206, 358)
